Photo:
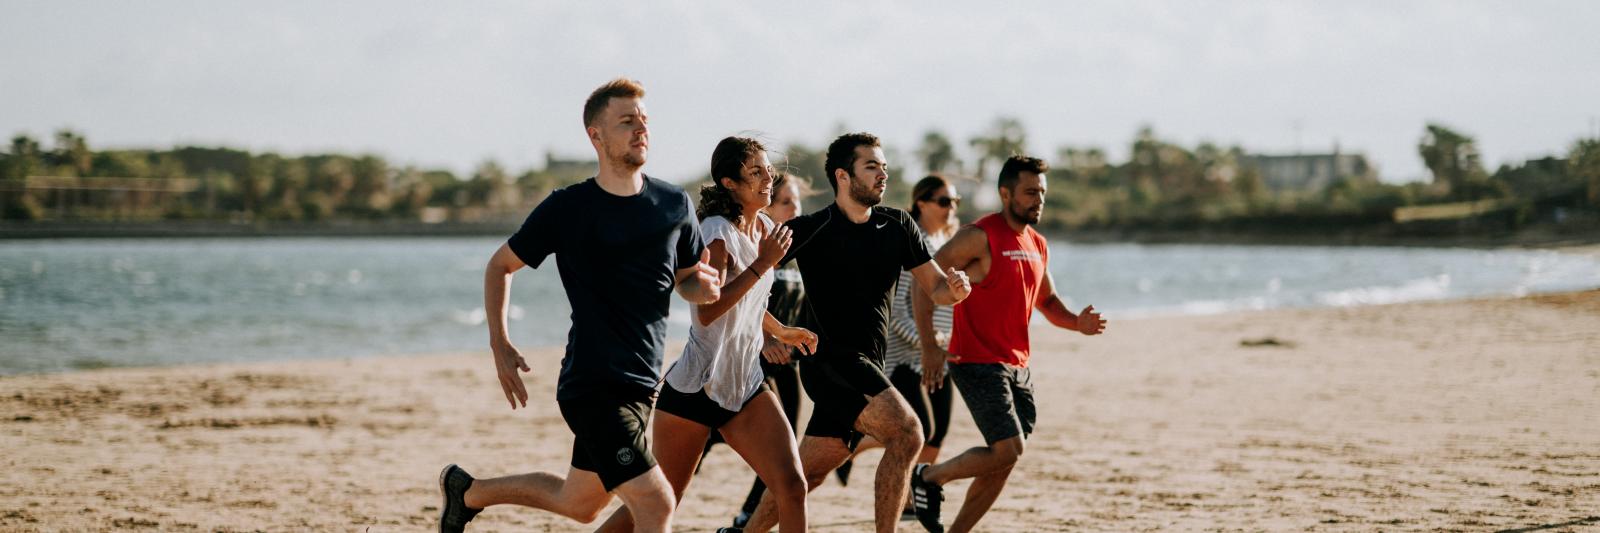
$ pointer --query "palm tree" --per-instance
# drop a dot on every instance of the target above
(937, 154)
(1005, 138)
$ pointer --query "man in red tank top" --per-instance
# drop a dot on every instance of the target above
(988, 357)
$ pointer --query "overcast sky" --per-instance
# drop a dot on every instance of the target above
(453, 84)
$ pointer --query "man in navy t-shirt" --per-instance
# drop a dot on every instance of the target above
(623, 241)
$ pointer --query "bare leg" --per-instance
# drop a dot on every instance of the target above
(981, 495)
(988, 466)
(648, 497)
(579, 496)
(889, 419)
(678, 444)
(760, 434)
(818, 456)
(929, 454)
(976, 462)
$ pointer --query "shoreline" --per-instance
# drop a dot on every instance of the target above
(1404, 416)
(1537, 236)
(96, 365)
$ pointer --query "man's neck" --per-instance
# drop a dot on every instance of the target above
(620, 180)
(853, 210)
(1016, 224)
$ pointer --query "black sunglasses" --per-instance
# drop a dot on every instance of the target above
(946, 201)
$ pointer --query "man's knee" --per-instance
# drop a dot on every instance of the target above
(649, 497)
(585, 510)
(905, 433)
(1009, 450)
(651, 507)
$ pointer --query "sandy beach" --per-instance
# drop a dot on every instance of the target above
(1467, 415)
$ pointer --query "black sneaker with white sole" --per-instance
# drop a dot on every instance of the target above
(926, 498)
(454, 513)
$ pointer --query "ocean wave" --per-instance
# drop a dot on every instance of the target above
(1428, 288)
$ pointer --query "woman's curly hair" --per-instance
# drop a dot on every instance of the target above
(727, 160)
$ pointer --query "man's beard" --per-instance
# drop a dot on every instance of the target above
(1024, 215)
(632, 160)
(865, 194)
(628, 160)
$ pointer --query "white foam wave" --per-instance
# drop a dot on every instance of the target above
(1428, 288)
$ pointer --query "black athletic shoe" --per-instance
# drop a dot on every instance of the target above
(843, 472)
(742, 519)
(925, 499)
(454, 513)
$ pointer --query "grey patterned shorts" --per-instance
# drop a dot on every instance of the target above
(999, 396)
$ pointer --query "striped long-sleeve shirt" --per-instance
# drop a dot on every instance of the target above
(905, 347)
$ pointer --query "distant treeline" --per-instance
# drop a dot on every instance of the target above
(1162, 184)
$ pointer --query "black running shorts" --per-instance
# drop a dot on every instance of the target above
(699, 408)
(609, 435)
(839, 387)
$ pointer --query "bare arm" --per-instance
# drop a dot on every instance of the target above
(946, 287)
(699, 284)
(1050, 305)
(773, 245)
(496, 291)
(960, 252)
(801, 338)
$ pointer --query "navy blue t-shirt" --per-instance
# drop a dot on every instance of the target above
(850, 271)
(618, 257)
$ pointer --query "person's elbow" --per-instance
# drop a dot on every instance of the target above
(504, 262)
(704, 318)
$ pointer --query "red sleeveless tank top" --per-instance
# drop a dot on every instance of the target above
(991, 325)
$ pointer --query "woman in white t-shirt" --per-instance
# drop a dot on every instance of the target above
(717, 384)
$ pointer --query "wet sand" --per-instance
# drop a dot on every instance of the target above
(1469, 415)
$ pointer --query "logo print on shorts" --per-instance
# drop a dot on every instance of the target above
(624, 456)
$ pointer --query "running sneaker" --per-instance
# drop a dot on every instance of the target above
(454, 513)
(925, 499)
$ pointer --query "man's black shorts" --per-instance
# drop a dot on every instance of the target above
(699, 408)
(839, 386)
(999, 396)
(609, 434)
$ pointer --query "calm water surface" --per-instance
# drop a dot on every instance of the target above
(89, 303)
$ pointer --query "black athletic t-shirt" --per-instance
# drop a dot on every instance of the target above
(850, 272)
(788, 296)
(618, 257)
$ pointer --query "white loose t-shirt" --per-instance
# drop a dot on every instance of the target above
(724, 358)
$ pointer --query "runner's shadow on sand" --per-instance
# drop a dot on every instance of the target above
(1578, 522)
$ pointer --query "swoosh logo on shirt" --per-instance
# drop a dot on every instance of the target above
(881, 225)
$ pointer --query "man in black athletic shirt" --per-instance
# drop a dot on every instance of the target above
(623, 241)
(850, 256)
